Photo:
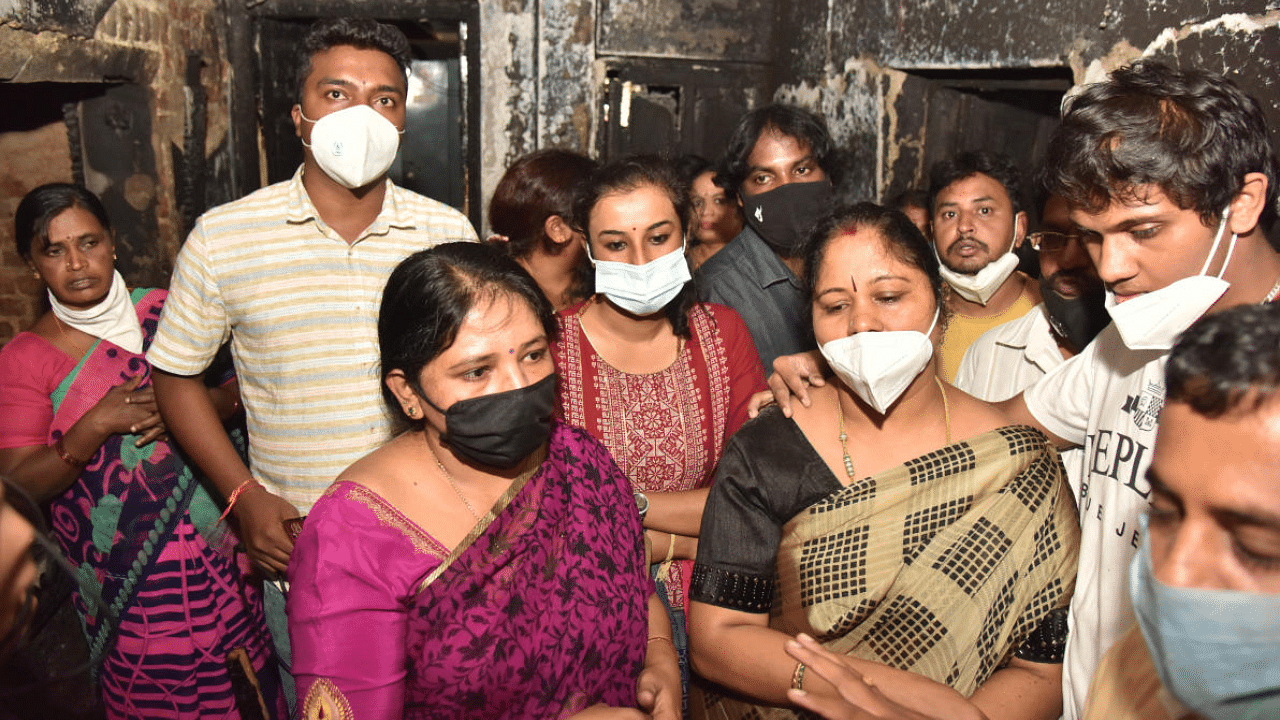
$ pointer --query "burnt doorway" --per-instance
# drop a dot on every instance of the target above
(674, 107)
(439, 155)
(1009, 111)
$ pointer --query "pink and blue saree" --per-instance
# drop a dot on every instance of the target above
(166, 605)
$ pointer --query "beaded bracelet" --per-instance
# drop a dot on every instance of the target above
(235, 495)
(67, 457)
(797, 677)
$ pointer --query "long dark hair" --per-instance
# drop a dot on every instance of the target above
(40, 206)
(626, 175)
(429, 295)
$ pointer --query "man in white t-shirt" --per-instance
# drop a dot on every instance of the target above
(1168, 174)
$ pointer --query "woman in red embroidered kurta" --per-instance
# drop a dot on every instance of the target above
(661, 380)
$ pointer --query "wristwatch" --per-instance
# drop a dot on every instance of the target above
(642, 504)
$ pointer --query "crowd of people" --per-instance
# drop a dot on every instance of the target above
(544, 475)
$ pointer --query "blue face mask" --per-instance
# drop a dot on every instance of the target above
(1217, 651)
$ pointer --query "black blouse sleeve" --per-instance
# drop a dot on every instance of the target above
(768, 474)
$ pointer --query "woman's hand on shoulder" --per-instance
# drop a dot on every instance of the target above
(127, 410)
(891, 695)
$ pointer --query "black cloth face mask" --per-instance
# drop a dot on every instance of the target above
(782, 217)
(502, 429)
(1078, 320)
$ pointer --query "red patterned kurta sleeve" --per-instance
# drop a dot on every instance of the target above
(746, 375)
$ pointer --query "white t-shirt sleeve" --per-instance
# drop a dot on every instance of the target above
(194, 322)
(1060, 401)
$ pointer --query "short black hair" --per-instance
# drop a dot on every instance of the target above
(40, 206)
(901, 237)
(1192, 133)
(909, 198)
(807, 128)
(358, 32)
(429, 295)
(626, 175)
(1227, 361)
(979, 162)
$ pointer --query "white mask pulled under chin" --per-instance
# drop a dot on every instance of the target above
(354, 146)
(1154, 320)
(980, 286)
(878, 366)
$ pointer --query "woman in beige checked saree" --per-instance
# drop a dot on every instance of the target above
(901, 522)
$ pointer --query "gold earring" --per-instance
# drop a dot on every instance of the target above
(411, 411)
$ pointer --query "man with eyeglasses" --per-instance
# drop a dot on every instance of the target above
(1010, 357)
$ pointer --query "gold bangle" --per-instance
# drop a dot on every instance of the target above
(671, 548)
(67, 457)
(797, 677)
(661, 637)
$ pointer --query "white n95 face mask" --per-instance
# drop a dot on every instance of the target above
(1154, 320)
(642, 289)
(878, 366)
(354, 146)
(981, 286)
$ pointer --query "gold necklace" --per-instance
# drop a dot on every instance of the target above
(449, 479)
(844, 436)
(63, 329)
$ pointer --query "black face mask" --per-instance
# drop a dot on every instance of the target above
(1078, 320)
(782, 217)
(502, 429)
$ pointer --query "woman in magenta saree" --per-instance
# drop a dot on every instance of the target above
(163, 604)
(493, 567)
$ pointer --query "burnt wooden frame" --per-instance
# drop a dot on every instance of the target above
(245, 84)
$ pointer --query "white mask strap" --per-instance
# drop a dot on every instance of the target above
(1217, 239)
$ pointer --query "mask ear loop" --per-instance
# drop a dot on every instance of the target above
(1217, 239)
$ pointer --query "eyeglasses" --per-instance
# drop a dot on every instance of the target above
(1047, 241)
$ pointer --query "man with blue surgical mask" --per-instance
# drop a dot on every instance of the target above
(1206, 581)
(782, 163)
(293, 274)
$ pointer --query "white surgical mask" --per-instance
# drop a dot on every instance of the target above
(981, 286)
(878, 366)
(354, 146)
(1154, 320)
(642, 289)
(1215, 650)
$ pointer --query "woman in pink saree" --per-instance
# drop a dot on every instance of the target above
(487, 562)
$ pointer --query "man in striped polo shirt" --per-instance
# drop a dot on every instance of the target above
(293, 275)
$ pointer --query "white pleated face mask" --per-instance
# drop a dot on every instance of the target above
(1154, 320)
(980, 286)
(642, 289)
(878, 366)
(354, 146)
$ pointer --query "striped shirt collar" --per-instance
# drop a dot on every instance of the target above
(394, 213)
